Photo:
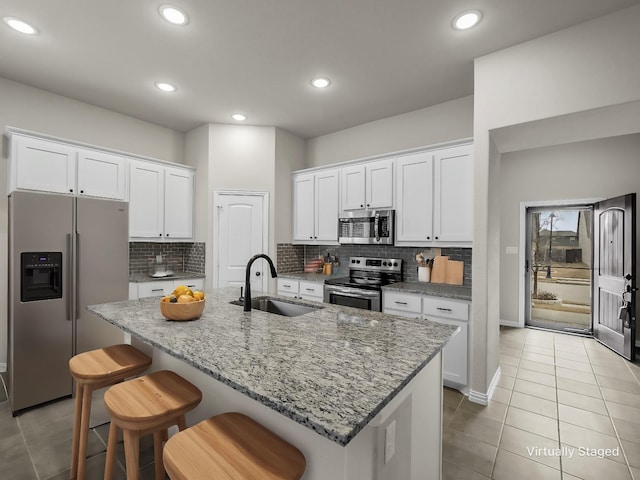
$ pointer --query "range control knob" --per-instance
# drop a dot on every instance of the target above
(395, 264)
(357, 261)
(353, 261)
(384, 264)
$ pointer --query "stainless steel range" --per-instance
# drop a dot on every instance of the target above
(363, 287)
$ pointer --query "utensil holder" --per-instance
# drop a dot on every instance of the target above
(424, 274)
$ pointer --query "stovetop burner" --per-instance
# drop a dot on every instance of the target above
(370, 273)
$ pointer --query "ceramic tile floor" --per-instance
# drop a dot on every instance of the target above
(36, 445)
(557, 394)
(565, 408)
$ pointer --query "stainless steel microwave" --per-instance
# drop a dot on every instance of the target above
(370, 227)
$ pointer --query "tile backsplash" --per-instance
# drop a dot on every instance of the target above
(188, 256)
(291, 258)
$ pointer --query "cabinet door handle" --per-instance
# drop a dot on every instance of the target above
(157, 290)
(310, 289)
(444, 309)
(428, 238)
(436, 238)
(401, 303)
(286, 286)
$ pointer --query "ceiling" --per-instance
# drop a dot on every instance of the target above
(384, 57)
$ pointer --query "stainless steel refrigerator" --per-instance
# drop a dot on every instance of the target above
(64, 253)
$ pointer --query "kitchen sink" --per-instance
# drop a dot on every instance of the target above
(287, 308)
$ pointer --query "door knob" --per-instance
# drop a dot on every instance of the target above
(257, 274)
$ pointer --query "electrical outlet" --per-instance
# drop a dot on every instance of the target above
(389, 441)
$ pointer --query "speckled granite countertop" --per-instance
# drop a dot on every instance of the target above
(177, 275)
(331, 370)
(309, 277)
(436, 289)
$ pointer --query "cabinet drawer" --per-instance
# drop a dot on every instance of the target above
(154, 289)
(445, 308)
(311, 289)
(402, 301)
(192, 283)
(287, 286)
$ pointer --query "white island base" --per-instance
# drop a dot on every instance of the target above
(416, 411)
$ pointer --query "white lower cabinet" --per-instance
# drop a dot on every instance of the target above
(313, 291)
(304, 289)
(162, 287)
(288, 287)
(443, 310)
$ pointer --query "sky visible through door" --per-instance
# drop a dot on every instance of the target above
(560, 259)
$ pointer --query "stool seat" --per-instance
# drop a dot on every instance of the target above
(113, 363)
(231, 446)
(143, 405)
(93, 370)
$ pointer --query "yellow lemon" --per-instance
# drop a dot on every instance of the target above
(197, 295)
(185, 299)
(182, 290)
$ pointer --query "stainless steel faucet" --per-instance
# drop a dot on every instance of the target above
(247, 281)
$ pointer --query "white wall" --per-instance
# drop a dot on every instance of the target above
(289, 156)
(428, 126)
(32, 109)
(601, 168)
(590, 66)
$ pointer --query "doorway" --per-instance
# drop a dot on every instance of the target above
(240, 222)
(559, 270)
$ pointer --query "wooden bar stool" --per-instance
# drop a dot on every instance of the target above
(91, 371)
(231, 446)
(149, 404)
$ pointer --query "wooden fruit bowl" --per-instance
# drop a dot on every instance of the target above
(182, 311)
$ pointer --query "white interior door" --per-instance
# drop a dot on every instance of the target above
(242, 224)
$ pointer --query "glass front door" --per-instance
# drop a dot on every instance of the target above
(559, 266)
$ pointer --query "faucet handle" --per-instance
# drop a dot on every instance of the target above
(241, 294)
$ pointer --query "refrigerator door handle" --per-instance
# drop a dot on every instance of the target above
(69, 274)
(76, 277)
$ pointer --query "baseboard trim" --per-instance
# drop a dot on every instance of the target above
(510, 323)
(483, 398)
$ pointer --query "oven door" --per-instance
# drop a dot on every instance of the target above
(353, 297)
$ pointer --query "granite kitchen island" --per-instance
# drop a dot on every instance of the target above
(330, 381)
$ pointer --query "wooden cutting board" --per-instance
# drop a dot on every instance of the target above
(439, 270)
(455, 272)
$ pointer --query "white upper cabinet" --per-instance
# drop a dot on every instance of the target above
(102, 174)
(50, 166)
(42, 165)
(434, 196)
(160, 201)
(315, 207)
(414, 202)
(453, 195)
(178, 203)
(379, 184)
(304, 207)
(368, 185)
(146, 200)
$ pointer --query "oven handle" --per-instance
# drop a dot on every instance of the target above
(355, 293)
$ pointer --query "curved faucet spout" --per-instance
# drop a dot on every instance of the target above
(247, 281)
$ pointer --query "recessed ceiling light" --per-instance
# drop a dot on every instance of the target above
(466, 19)
(166, 87)
(320, 82)
(240, 117)
(20, 25)
(173, 14)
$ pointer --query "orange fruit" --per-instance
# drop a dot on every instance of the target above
(166, 299)
(182, 290)
(185, 299)
(197, 295)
